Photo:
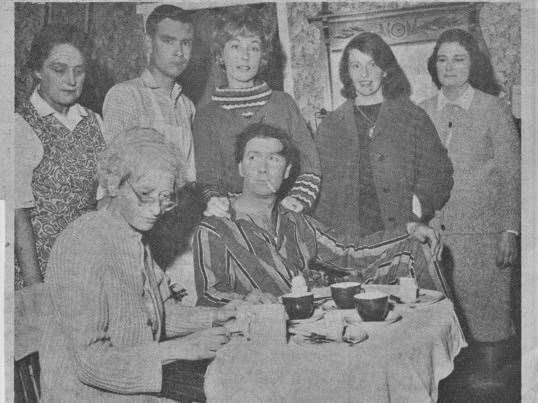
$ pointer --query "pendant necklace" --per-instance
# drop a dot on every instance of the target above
(370, 122)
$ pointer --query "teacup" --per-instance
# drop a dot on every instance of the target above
(343, 293)
(372, 305)
(299, 306)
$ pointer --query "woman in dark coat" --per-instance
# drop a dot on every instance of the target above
(381, 159)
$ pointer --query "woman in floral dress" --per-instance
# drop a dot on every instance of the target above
(56, 146)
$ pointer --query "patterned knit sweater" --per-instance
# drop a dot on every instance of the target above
(217, 124)
(100, 344)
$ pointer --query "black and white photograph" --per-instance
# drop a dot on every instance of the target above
(234, 201)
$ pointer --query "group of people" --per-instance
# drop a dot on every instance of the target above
(279, 201)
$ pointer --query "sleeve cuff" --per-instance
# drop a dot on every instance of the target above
(306, 189)
(190, 320)
(207, 192)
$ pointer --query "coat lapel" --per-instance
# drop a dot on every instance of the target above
(348, 115)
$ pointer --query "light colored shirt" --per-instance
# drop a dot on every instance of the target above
(142, 102)
(28, 147)
(463, 101)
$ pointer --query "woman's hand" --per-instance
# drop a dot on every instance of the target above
(226, 312)
(506, 250)
(291, 203)
(258, 297)
(218, 206)
(196, 346)
(427, 234)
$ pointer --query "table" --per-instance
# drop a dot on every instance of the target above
(400, 362)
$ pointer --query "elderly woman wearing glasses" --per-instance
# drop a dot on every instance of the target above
(112, 317)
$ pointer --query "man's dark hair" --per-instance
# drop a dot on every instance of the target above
(262, 130)
(166, 11)
(57, 34)
(395, 83)
(481, 75)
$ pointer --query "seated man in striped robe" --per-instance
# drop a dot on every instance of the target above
(258, 251)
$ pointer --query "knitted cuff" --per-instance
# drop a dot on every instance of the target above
(207, 192)
(306, 189)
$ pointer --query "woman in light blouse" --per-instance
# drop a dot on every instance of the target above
(111, 316)
(481, 220)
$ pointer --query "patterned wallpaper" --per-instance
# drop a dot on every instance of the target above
(501, 29)
(118, 37)
(118, 34)
(500, 24)
(28, 21)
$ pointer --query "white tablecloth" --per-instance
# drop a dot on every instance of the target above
(400, 362)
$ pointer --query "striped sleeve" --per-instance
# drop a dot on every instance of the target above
(307, 185)
(119, 111)
(382, 257)
(212, 268)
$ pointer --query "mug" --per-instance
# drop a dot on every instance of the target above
(299, 306)
(372, 306)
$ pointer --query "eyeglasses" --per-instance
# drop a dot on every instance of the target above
(166, 200)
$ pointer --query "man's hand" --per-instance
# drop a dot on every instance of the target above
(506, 250)
(427, 234)
(218, 206)
(257, 297)
(291, 203)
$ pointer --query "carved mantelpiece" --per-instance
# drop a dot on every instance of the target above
(411, 25)
(409, 31)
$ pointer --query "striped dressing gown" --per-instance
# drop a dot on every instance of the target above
(233, 257)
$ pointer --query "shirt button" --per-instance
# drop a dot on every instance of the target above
(443, 227)
(380, 157)
(391, 219)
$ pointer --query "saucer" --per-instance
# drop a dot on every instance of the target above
(355, 319)
(425, 298)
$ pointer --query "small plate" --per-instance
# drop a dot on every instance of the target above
(425, 298)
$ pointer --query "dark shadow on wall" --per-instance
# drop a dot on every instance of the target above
(98, 81)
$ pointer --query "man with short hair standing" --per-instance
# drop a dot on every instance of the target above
(155, 99)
